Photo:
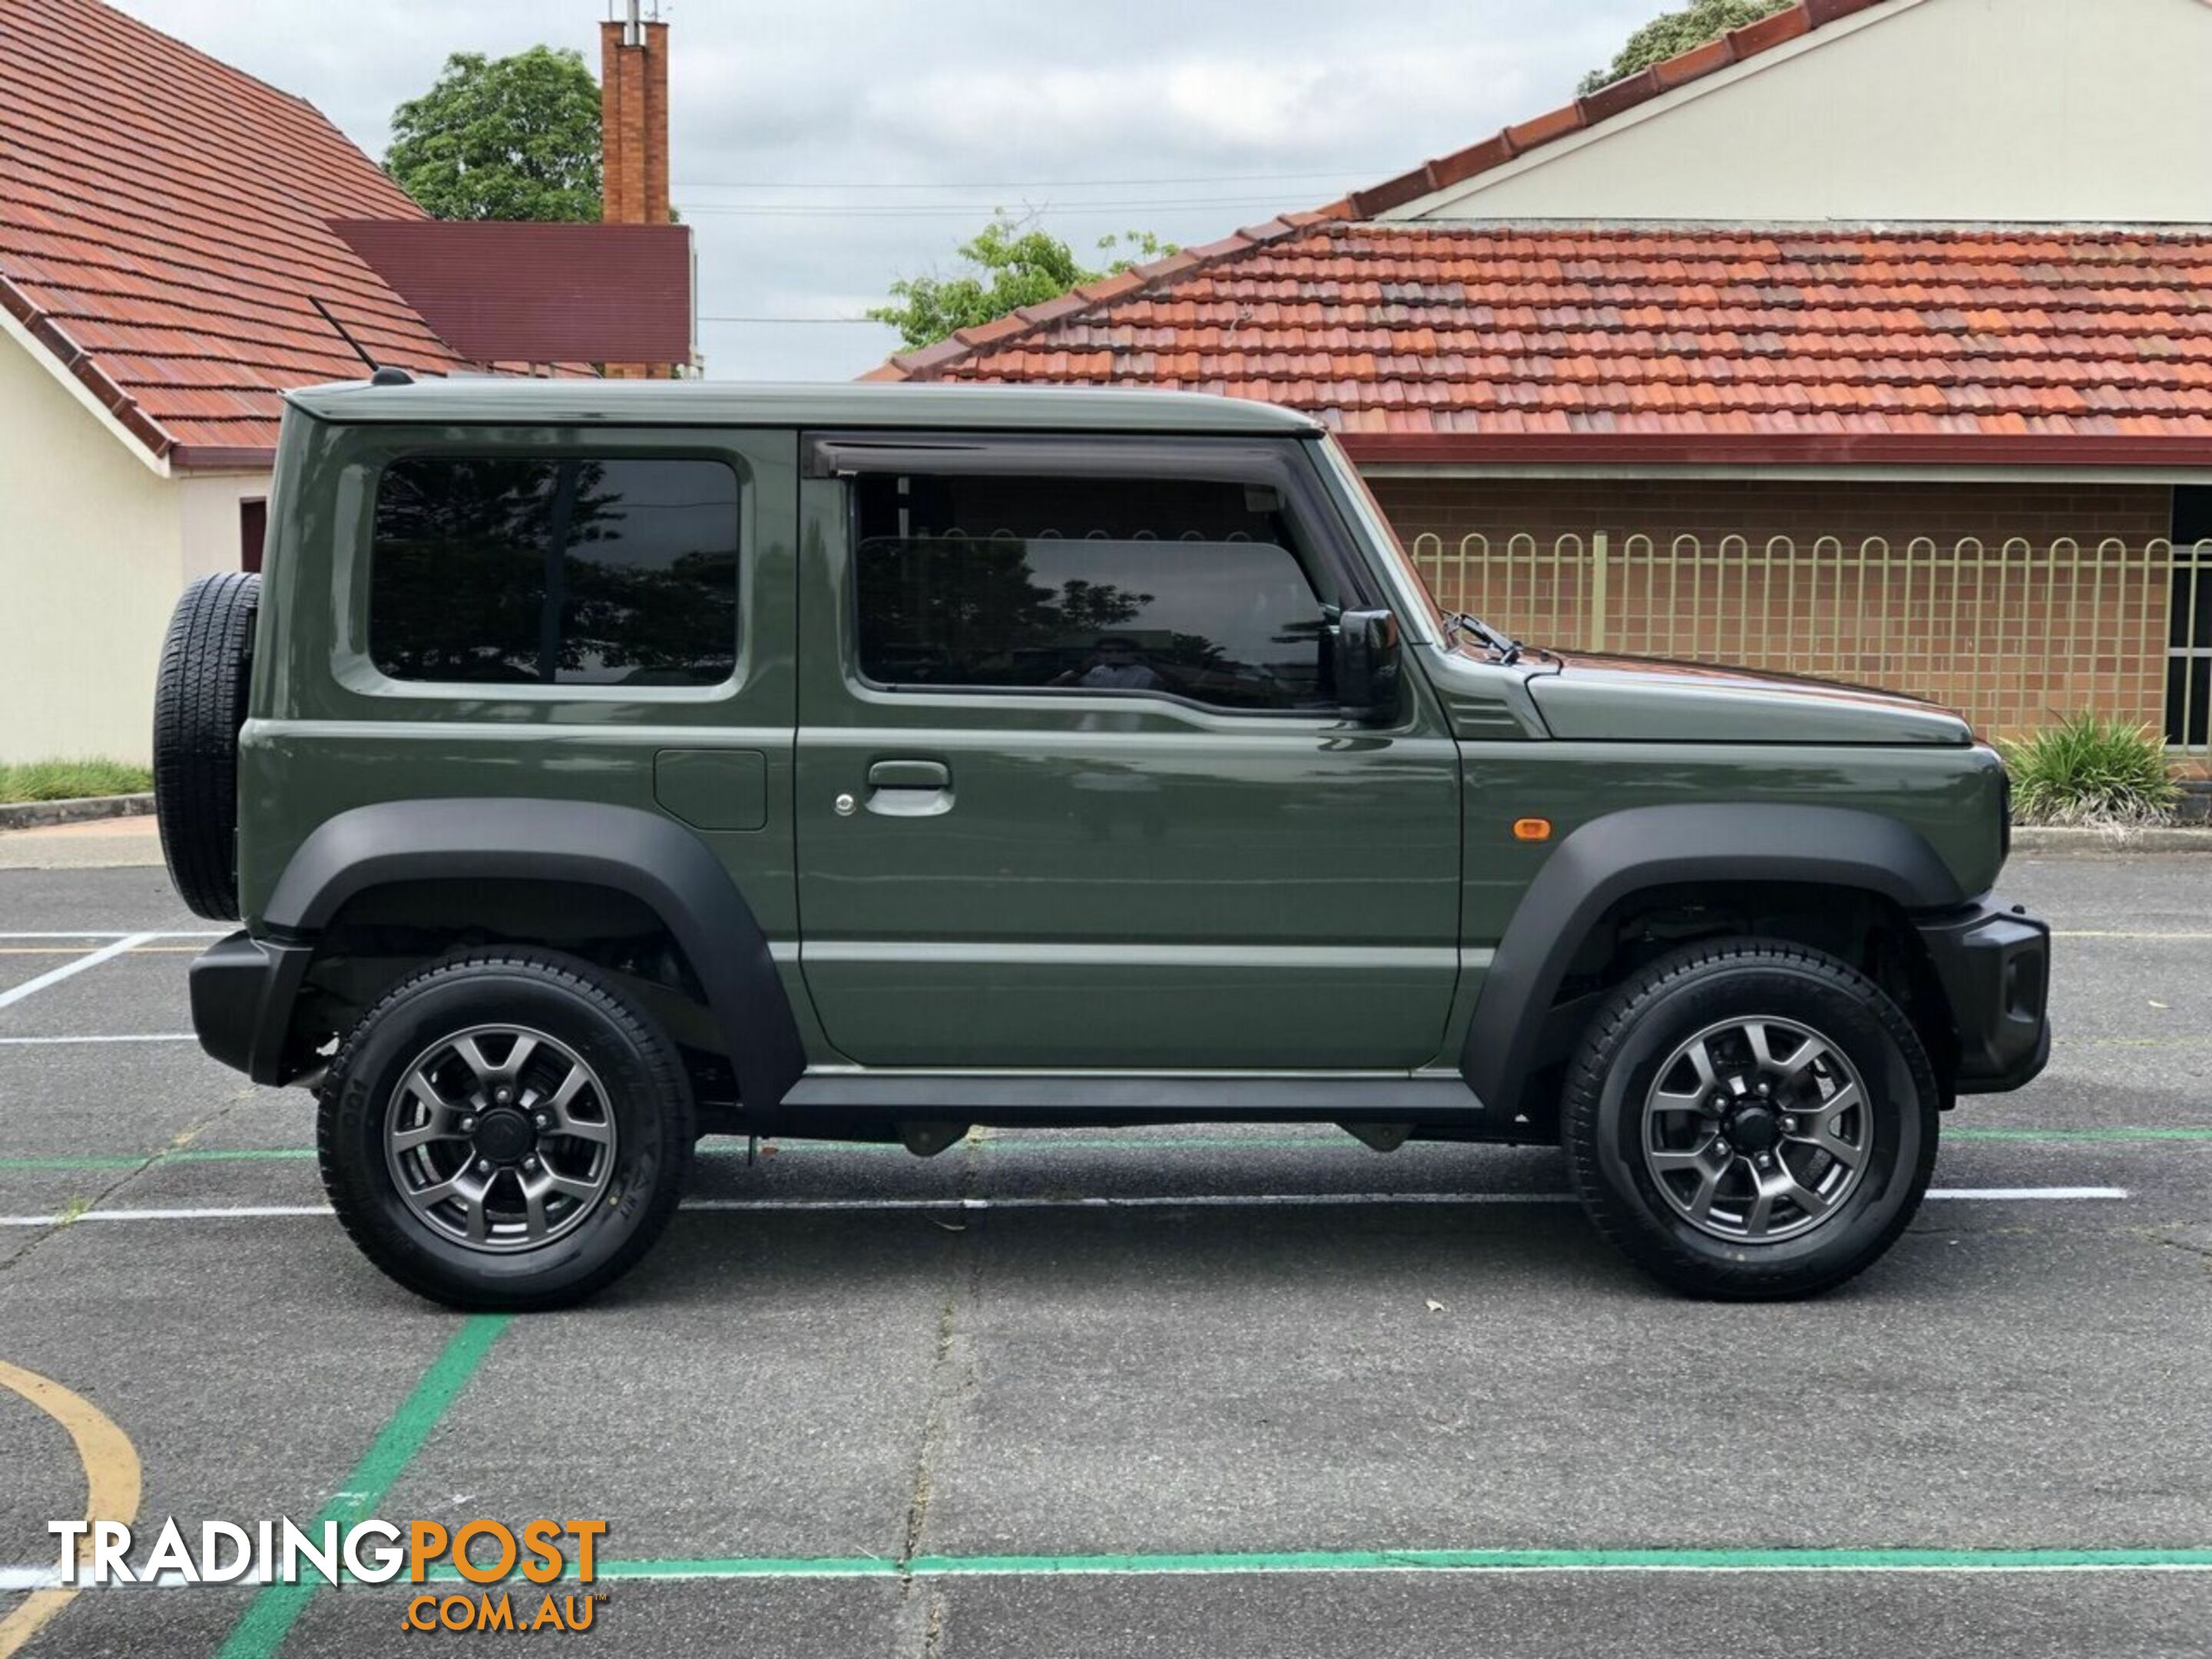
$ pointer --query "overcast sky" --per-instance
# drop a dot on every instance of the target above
(820, 150)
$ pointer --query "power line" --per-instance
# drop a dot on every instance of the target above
(873, 322)
(964, 210)
(1031, 184)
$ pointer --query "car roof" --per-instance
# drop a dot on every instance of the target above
(515, 401)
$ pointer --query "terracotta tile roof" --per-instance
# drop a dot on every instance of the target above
(162, 225)
(1457, 342)
(1443, 342)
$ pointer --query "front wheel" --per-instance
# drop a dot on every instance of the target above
(503, 1131)
(1750, 1120)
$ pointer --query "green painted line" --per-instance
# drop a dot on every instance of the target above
(270, 1618)
(130, 1161)
(2077, 1134)
(1416, 1560)
(74, 1163)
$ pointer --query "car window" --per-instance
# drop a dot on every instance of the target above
(1172, 588)
(583, 571)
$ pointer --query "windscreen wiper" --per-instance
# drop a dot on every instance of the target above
(1508, 648)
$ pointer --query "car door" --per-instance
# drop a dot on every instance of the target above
(1072, 787)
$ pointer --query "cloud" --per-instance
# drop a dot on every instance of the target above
(816, 112)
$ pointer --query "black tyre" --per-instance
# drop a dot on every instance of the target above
(501, 1131)
(1750, 1120)
(199, 703)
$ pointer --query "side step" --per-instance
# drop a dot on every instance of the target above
(1125, 1097)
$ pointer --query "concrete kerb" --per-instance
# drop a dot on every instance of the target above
(42, 814)
(2149, 838)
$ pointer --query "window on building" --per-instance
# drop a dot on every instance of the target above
(2189, 642)
(505, 571)
(1178, 588)
(252, 531)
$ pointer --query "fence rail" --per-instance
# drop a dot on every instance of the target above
(2013, 634)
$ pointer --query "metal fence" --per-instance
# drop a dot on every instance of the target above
(2013, 634)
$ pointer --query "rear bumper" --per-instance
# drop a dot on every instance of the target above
(242, 993)
(1994, 960)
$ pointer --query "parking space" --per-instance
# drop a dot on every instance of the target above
(1254, 1389)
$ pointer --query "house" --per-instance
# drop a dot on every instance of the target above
(179, 243)
(1872, 340)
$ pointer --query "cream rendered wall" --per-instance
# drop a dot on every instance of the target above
(207, 506)
(94, 546)
(2098, 111)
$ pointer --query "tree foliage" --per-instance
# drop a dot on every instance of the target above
(503, 138)
(1010, 267)
(1677, 31)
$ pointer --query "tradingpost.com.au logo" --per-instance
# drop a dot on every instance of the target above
(481, 1552)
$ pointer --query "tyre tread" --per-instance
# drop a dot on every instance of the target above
(199, 703)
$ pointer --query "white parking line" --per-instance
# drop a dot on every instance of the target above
(114, 932)
(147, 1036)
(1147, 1201)
(138, 1036)
(54, 976)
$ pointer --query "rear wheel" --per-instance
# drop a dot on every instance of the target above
(1751, 1119)
(503, 1131)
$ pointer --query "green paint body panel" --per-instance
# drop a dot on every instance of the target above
(1007, 880)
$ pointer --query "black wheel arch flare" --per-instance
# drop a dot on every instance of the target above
(1611, 858)
(658, 862)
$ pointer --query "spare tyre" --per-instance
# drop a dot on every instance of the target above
(199, 703)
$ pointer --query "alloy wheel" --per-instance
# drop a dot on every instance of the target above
(499, 1138)
(1756, 1129)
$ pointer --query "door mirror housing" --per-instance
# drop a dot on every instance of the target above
(1363, 659)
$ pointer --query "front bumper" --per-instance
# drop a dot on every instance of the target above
(1994, 960)
(242, 992)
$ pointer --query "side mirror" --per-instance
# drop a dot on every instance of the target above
(1364, 662)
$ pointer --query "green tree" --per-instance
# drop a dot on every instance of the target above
(1010, 267)
(1676, 31)
(503, 138)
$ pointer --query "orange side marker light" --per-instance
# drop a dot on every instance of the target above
(1532, 828)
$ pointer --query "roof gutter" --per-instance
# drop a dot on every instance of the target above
(1572, 450)
(221, 457)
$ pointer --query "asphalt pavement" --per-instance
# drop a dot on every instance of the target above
(1237, 1390)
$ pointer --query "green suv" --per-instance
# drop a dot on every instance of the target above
(598, 766)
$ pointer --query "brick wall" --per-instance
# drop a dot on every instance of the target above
(2013, 603)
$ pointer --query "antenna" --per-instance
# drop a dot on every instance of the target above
(378, 373)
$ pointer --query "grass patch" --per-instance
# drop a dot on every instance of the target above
(2092, 771)
(71, 780)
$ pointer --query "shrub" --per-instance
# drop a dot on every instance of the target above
(2087, 770)
(68, 780)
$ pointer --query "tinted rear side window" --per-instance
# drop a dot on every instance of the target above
(505, 570)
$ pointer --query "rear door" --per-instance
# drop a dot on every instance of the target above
(1072, 787)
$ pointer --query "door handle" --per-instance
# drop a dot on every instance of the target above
(909, 788)
(909, 775)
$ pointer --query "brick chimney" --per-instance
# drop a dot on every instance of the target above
(634, 132)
